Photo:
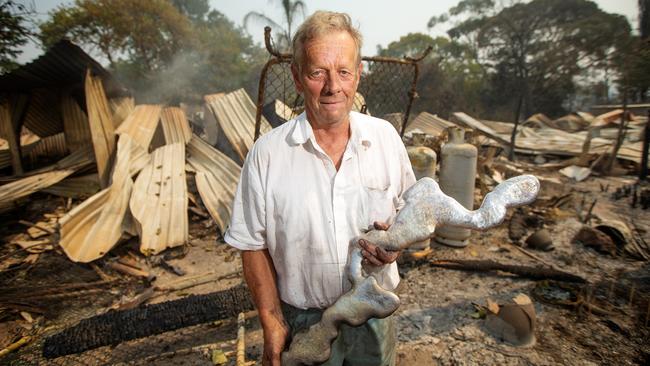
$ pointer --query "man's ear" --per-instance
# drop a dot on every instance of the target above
(359, 71)
(296, 78)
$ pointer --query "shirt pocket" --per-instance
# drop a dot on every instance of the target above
(378, 204)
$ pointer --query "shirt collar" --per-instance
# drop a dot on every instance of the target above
(302, 131)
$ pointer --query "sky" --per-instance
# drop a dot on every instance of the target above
(380, 21)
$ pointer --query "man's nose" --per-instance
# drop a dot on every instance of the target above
(333, 83)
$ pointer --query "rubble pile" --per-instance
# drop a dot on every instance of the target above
(111, 205)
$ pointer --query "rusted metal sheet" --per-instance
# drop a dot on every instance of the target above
(91, 229)
(175, 126)
(75, 187)
(141, 124)
(159, 200)
(101, 126)
(75, 124)
(15, 190)
(429, 124)
(43, 115)
(9, 133)
(121, 107)
(549, 140)
(49, 147)
(216, 179)
(64, 64)
(235, 115)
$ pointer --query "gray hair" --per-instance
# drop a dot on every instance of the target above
(320, 23)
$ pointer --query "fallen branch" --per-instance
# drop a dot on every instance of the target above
(129, 270)
(535, 273)
(241, 345)
(196, 280)
(14, 346)
(524, 251)
(39, 227)
(42, 291)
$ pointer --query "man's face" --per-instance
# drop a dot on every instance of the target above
(328, 78)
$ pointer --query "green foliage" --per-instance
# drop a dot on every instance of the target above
(535, 50)
(14, 32)
(164, 50)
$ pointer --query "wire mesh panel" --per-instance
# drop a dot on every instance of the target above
(387, 85)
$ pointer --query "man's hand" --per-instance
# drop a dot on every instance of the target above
(375, 255)
(276, 335)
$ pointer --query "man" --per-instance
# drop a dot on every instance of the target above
(311, 185)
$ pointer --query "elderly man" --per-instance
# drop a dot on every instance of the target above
(311, 185)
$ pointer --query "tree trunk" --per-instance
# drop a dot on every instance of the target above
(511, 154)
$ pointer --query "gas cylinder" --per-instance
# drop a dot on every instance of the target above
(457, 179)
(423, 161)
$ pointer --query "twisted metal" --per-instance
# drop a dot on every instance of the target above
(425, 207)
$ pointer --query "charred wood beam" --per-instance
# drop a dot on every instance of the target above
(115, 327)
(535, 273)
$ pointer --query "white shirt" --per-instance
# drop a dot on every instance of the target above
(292, 201)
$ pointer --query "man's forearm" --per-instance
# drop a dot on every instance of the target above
(261, 279)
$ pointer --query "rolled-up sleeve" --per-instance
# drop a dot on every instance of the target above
(247, 229)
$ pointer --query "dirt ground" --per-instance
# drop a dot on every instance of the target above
(437, 322)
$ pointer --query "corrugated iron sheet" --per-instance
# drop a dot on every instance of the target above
(62, 65)
(75, 124)
(550, 140)
(141, 124)
(49, 147)
(75, 187)
(175, 126)
(91, 229)
(121, 108)
(216, 179)
(429, 124)
(8, 132)
(159, 200)
(43, 115)
(13, 191)
(101, 126)
(235, 115)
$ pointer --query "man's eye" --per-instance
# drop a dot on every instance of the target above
(317, 74)
(345, 74)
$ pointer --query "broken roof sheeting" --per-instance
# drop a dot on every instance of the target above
(13, 191)
(141, 124)
(552, 141)
(216, 179)
(75, 124)
(63, 64)
(235, 114)
(43, 115)
(429, 124)
(102, 131)
(159, 200)
(121, 107)
(175, 126)
(91, 229)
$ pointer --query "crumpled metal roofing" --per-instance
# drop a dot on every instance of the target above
(429, 124)
(216, 179)
(43, 114)
(235, 114)
(159, 200)
(91, 229)
(63, 64)
(37, 180)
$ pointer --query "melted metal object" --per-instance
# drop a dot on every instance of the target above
(425, 207)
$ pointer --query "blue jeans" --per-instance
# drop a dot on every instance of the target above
(370, 344)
